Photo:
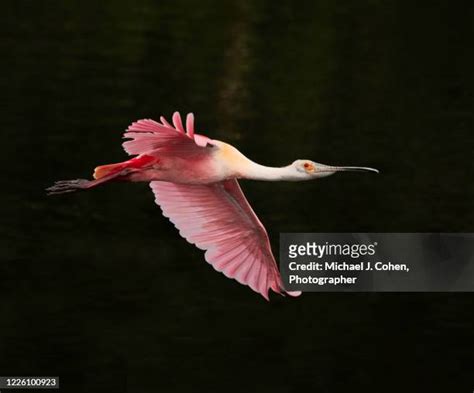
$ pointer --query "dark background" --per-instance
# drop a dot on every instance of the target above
(98, 287)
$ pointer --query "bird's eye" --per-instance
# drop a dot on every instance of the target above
(308, 167)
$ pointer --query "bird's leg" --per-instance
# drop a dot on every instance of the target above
(131, 170)
(66, 186)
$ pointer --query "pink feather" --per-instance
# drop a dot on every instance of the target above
(165, 123)
(148, 135)
(190, 125)
(178, 124)
(217, 218)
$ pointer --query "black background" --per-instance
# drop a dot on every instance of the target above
(98, 287)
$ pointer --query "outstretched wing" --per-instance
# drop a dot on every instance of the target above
(218, 219)
(149, 136)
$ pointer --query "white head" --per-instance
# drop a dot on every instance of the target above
(307, 170)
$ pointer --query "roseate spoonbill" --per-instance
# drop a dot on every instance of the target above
(194, 180)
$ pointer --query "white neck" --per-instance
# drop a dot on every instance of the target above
(254, 171)
(242, 167)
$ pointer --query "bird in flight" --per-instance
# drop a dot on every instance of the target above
(195, 182)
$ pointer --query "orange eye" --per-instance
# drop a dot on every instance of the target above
(308, 167)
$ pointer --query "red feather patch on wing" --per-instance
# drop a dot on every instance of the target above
(135, 163)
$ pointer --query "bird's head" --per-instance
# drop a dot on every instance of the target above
(307, 169)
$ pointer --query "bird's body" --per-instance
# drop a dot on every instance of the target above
(194, 180)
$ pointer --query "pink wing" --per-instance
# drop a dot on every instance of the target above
(149, 136)
(217, 218)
